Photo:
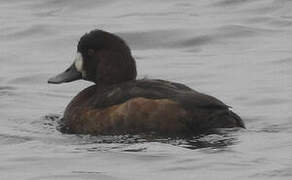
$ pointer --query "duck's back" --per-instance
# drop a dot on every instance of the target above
(142, 106)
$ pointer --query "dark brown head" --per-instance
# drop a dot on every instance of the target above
(102, 58)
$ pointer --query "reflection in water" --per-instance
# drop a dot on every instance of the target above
(217, 139)
(51, 122)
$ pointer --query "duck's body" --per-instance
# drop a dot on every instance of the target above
(120, 104)
(146, 106)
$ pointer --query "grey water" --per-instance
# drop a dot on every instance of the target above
(239, 51)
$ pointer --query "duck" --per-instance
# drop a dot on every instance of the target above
(118, 103)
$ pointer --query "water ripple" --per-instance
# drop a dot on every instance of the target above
(36, 30)
(6, 139)
(232, 2)
(151, 39)
(276, 173)
(7, 90)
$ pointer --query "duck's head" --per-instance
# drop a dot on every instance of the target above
(102, 58)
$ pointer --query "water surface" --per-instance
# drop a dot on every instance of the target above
(236, 50)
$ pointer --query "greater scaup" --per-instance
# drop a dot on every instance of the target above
(120, 104)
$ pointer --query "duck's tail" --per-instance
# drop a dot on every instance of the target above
(221, 118)
(225, 118)
(237, 119)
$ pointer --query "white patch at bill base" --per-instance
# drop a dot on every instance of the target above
(79, 64)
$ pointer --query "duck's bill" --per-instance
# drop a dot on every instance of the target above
(71, 74)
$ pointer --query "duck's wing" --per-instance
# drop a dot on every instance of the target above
(157, 89)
